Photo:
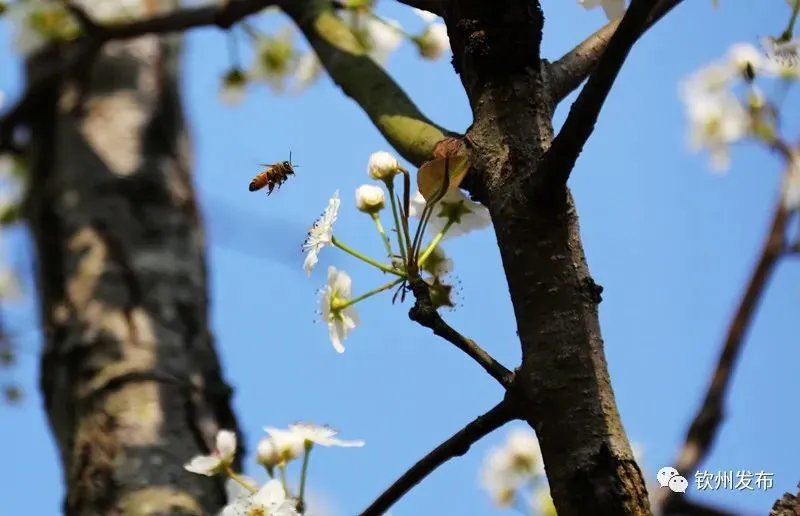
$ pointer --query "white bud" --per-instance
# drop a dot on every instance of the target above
(382, 166)
(370, 198)
(434, 41)
(267, 453)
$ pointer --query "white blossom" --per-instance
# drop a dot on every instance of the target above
(427, 16)
(378, 38)
(434, 41)
(382, 166)
(220, 458)
(542, 502)
(340, 321)
(279, 448)
(370, 198)
(468, 215)
(716, 120)
(270, 500)
(308, 70)
(744, 55)
(783, 57)
(275, 59)
(511, 465)
(614, 9)
(309, 434)
(321, 233)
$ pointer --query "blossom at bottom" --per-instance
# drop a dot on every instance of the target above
(270, 500)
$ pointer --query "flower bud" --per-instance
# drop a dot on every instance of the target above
(370, 198)
(433, 42)
(267, 453)
(382, 166)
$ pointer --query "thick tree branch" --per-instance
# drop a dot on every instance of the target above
(456, 446)
(412, 134)
(425, 314)
(573, 67)
(568, 144)
(706, 423)
(67, 57)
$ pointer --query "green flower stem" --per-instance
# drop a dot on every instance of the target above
(282, 468)
(301, 501)
(337, 307)
(398, 228)
(420, 228)
(788, 33)
(435, 242)
(386, 243)
(241, 480)
(374, 263)
(392, 26)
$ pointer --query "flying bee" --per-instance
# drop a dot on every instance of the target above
(273, 176)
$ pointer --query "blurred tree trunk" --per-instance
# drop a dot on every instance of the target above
(129, 375)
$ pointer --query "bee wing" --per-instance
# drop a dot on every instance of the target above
(268, 237)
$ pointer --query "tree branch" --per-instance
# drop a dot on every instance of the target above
(573, 67)
(456, 446)
(787, 505)
(560, 158)
(425, 314)
(432, 6)
(67, 57)
(411, 134)
(683, 506)
(704, 427)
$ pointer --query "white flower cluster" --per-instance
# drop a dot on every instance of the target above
(453, 214)
(277, 60)
(275, 451)
(724, 105)
(513, 474)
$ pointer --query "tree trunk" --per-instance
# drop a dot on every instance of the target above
(130, 378)
(562, 387)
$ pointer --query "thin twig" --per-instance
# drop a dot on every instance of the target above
(425, 314)
(456, 446)
(706, 423)
(575, 66)
(560, 158)
(88, 26)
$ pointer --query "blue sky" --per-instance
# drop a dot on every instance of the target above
(671, 243)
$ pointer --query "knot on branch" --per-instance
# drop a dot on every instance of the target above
(423, 311)
(493, 40)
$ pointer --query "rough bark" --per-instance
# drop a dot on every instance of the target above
(131, 381)
(562, 387)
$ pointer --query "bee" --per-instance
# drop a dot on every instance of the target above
(273, 176)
